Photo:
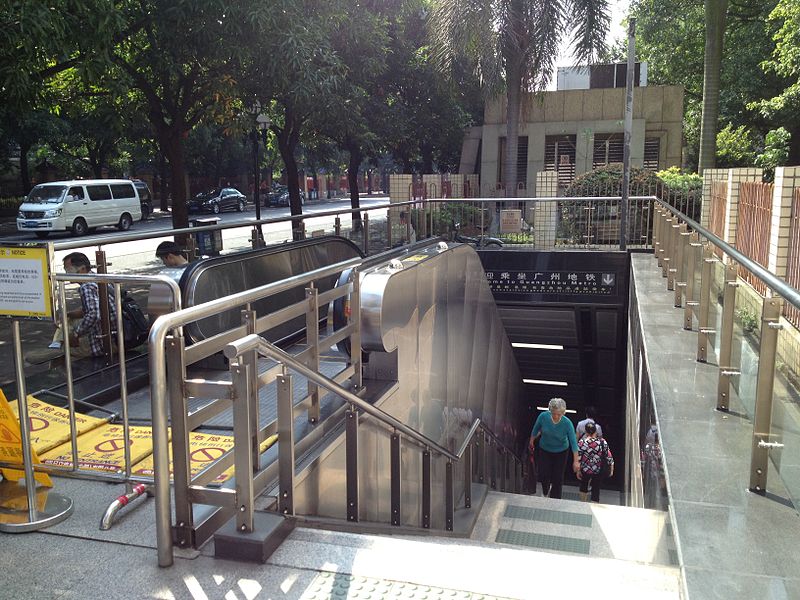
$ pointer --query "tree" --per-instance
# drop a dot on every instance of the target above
(293, 71)
(182, 60)
(670, 37)
(784, 107)
(716, 11)
(514, 44)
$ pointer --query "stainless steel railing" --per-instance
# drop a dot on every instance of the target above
(700, 268)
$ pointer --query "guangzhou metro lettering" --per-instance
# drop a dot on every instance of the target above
(552, 282)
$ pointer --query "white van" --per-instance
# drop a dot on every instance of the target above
(79, 206)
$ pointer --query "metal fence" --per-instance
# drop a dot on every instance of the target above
(793, 259)
(718, 210)
(752, 234)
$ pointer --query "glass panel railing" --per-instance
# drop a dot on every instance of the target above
(745, 347)
(786, 412)
(715, 309)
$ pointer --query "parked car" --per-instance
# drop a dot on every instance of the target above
(145, 198)
(215, 201)
(279, 196)
(79, 206)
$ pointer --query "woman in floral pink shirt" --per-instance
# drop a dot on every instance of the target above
(595, 457)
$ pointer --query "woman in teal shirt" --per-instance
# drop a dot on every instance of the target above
(558, 438)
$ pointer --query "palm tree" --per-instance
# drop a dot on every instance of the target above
(514, 44)
(715, 32)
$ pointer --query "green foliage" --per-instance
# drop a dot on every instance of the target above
(735, 147)
(678, 180)
(776, 150)
(670, 37)
(517, 238)
(747, 319)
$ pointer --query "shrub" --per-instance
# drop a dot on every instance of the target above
(10, 206)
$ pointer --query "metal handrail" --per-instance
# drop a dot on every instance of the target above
(478, 424)
(265, 348)
(135, 236)
(784, 290)
(158, 383)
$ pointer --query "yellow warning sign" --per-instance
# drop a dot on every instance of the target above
(415, 258)
(11, 445)
(204, 449)
(49, 425)
(103, 449)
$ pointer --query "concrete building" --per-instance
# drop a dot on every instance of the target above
(573, 131)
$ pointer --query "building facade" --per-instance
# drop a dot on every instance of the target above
(573, 131)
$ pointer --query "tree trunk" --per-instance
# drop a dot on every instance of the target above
(288, 138)
(162, 180)
(715, 33)
(24, 169)
(427, 158)
(794, 146)
(514, 85)
(172, 145)
(352, 178)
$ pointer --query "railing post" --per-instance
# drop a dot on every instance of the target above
(351, 443)
(389, 227)
(312, 339)
(691, 272)
(706, 277)
(242, 454)
(365, 222)
(674, 246)
(105, 313)
(249, 318)
(191, 248)
(726, 337)
(285, 444)
(680, 269)
(449, 503)
(762, 418)
(395, 477)
(658, 218)
(355, 337)
(426, 489)
(337, 226)
(176, 368)
(467, 458)
(666, 247)
(492, 464)
(480, 448)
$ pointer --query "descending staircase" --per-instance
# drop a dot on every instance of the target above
(522, 547)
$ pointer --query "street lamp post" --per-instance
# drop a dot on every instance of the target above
(259, 129)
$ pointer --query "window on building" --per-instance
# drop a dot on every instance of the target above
(652, 153)
(522, 159)
(608, 149)
(559, 156)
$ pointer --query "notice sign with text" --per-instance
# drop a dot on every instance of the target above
(25, 286)
(510, 221)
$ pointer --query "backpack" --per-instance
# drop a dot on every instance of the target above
(135, 326)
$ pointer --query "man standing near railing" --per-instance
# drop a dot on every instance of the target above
(90, 324)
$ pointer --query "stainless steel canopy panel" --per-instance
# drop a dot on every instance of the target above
(435, 314)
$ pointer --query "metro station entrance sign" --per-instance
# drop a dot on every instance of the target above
(26, 287)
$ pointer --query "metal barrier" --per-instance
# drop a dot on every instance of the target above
(696, 263)
(74, 469)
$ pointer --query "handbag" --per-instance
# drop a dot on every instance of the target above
(605, 465)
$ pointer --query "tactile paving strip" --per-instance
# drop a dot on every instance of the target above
(341, 586)
(548, 516)
(543, 541)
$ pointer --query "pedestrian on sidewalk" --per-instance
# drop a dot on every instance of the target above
(557, 440)
(597, 463)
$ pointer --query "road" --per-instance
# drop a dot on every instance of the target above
(139, 256)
